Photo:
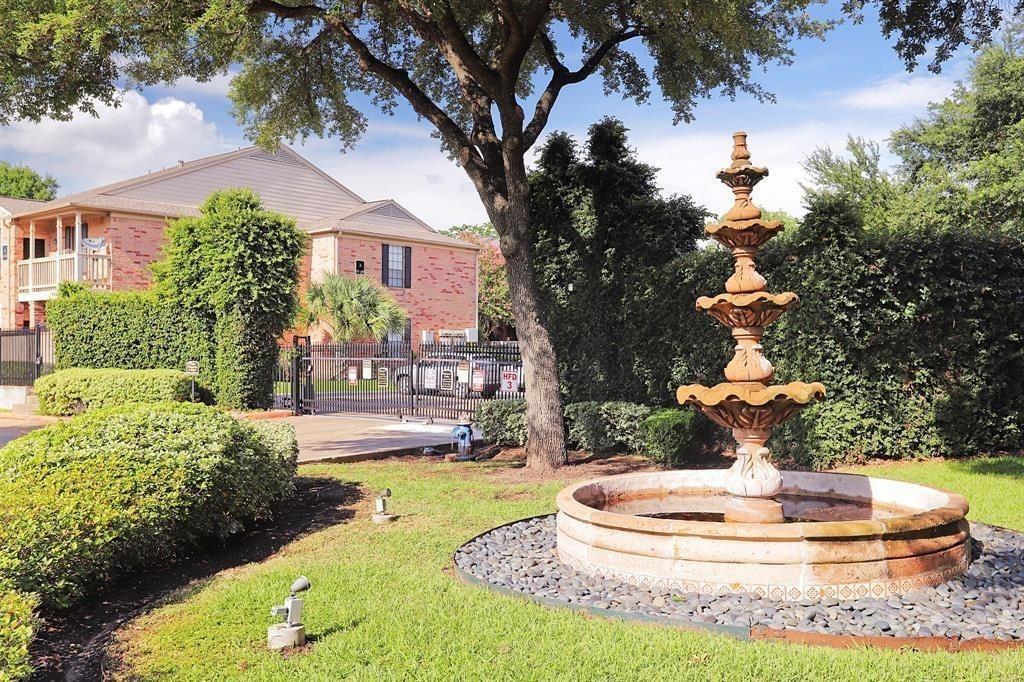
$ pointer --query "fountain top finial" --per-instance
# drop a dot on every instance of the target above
(741, 176)
(740, 153)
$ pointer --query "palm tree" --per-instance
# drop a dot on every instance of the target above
(353, 309)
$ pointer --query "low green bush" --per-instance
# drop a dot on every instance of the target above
(671, 436)
(118, 489)
(590, 426)
(586, 428)
(17, 625)
(503, 422)
(622, 423)
(71, 391)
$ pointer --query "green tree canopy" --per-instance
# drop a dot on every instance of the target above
(961, 165)
(354, 308)
(22, 182)
(604, 235)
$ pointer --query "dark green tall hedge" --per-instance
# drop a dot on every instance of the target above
(127, 330)
(917, 337)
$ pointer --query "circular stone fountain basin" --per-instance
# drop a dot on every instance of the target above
(845, 536)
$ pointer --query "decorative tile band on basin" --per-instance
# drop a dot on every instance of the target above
(845, 536)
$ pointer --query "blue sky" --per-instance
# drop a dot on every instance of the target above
(852, 83)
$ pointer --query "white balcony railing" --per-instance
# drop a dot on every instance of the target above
(38, 278)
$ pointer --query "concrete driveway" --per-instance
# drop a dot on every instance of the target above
(346, 438)
(13, 425)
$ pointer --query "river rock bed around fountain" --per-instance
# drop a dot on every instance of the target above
(986, 602)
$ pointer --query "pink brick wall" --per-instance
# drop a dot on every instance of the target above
(443, 292)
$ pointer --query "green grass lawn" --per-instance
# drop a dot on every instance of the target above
(385, 605)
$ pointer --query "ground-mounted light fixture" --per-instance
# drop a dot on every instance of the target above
(291, 633)
(381, 513)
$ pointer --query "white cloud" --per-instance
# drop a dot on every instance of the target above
(134, 138)
(215, 87)
(688, 160)
(898, 92)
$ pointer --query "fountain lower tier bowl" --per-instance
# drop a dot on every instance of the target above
(845, 536)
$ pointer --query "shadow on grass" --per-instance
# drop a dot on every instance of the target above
(993, 466)
(71, 645)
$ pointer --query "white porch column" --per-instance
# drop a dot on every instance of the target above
(31, 255)
(78, 246)
(60, 247)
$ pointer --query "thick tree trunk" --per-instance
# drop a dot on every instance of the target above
(545, 425)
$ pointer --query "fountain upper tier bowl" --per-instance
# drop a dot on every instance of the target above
(845, 536)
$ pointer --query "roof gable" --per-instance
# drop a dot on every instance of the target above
(285, 181)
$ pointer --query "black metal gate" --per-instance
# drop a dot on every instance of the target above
(441, 381)
(25, 355)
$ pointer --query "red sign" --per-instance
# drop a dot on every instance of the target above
(478, 380)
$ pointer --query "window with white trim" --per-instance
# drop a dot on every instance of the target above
(396, 267)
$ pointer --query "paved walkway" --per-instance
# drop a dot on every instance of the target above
(14, 425)
(321, 437)
(349, 438)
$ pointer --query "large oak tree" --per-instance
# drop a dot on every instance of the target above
(484, 73)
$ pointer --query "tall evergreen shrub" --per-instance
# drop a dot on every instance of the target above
(237, 266)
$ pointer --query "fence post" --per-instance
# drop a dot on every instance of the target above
(39, 352)
(296, 372)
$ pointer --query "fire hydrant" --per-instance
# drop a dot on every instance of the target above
(462, 437)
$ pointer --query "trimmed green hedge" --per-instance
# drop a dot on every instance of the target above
(503, 422)
(669, 436)
(71, 391)
(127, 330)
(118, 489)
(17, 625)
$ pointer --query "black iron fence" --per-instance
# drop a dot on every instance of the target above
(440, 380)
(25, 355)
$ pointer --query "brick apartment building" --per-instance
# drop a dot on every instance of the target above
(107, 237)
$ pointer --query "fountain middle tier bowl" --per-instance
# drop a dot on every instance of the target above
(845, 536)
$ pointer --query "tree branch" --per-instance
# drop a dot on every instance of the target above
(562, 77)
(399, 79)
(521, 35)
(285, 11)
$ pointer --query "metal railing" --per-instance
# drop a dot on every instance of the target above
(43, 275)
(439, 380)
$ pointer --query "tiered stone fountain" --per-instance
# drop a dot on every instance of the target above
(784, 535)
(745, 403)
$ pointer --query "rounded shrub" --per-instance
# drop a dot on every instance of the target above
(503, 422)
(71, 391)
(117, 489)
(671, 436)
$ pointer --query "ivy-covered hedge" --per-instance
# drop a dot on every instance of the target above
(118, 489)
(71, 391)
(127, 330)
(669, 436)
(916, 336)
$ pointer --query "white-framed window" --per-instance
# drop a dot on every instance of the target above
(396, 266)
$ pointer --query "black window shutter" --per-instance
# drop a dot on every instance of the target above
(384, 264)
(408, 266)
